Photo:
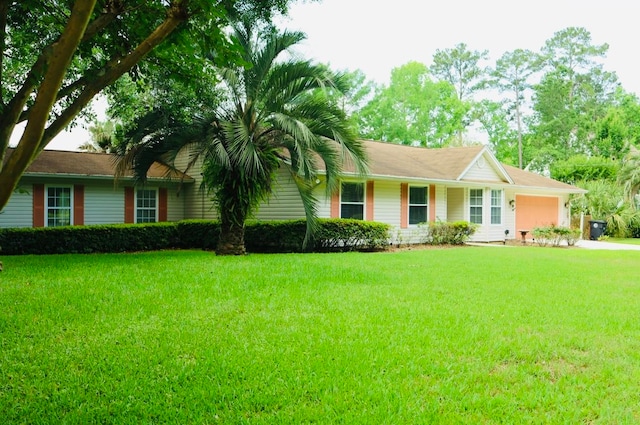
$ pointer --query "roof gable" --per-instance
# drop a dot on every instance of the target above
(485, 167)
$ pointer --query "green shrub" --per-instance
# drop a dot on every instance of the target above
(88, 239)
(453, 233)
(275, 236)
(198, 234)
(350, 235)
(260, 236)
(555, 235)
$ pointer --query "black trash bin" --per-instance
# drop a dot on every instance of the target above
(596, 229)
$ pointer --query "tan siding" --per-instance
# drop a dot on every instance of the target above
(481, 170)
(510, 214)
(175, 206)
(387, 203)
(285, 202)
(455, 204)
(197, 202)
(103, 203)
(441, 203)
(324, 201)
(17, 212)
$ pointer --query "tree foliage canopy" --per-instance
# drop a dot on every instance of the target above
(413, 109)
(55, 56)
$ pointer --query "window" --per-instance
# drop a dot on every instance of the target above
(475, 206)
(496, 207)
(352, 201)
(58, 206)
(418, 204)
(146, 206)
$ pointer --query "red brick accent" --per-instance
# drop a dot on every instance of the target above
(129, 205)
(38, 205)
(432, 203)
(335, 205)
(369, 215)
(78, 205)
(404, 205)
(162, 204)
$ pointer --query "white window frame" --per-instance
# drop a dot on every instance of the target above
(498, 206)
(481, 206)
(143, 208)
(363, 203)
(425, 205)
(47, 208)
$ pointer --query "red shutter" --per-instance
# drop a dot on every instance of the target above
(162, 204)
(38, 205)
(78, 205)
(370, 200)
(335, 205)
(432, 203)
(404, 205)
(129, 201)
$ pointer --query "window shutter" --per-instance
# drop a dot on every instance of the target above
(162, 204)
(432, 203)
(129, 200)
(404, 205)
(335, 205)
(369, 215)
(78, 205)
(38, 205)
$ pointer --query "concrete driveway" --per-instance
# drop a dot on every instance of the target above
(589, 244)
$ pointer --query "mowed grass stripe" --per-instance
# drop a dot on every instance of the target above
(468, 335)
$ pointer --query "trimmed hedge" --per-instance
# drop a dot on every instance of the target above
(268, 236)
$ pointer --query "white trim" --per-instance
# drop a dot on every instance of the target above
(494, 163)
(46, 202)
(135, 202)
(481, 206)
(364, 198)
(426, 206)
(501, 206)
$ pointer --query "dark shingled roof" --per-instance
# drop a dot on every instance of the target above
(89, 164)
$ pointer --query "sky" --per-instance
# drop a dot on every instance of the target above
(377, 36)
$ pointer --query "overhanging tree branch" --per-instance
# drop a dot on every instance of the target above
(177, 14)
(61, 53)
(4, 11)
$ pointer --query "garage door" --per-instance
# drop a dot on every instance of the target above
(535, 211)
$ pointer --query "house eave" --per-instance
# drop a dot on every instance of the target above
(468, 183)
(104, 177)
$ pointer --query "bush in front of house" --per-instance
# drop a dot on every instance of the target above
(555, 235)
(449, 233)
(351, 235)
(260, 236)
(88, 239)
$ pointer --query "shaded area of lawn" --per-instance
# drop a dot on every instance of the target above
(469, 335)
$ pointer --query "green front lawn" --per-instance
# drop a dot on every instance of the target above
(630, 241)
(467, 335)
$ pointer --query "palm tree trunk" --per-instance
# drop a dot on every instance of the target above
(231, 240)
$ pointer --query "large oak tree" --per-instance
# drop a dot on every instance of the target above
(56, 55)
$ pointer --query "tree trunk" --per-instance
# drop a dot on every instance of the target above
(231, 240)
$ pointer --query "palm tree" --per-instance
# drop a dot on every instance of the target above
(629, 177)
(272, 114)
